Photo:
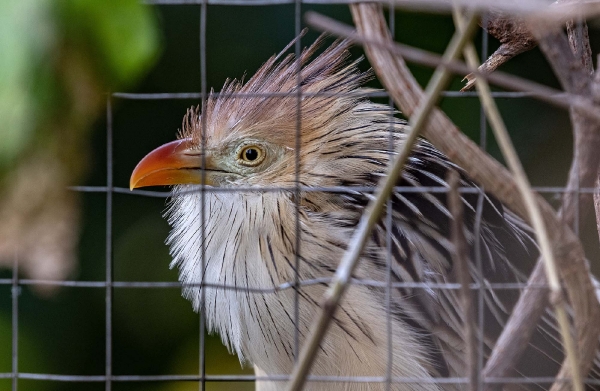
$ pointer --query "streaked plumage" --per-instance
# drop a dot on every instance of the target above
(250, 236)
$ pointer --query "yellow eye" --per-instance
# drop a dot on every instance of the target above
(251, 155)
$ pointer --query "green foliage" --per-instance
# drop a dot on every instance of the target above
(24, 35)
(53, 52)
(120, 35)
(28, 345)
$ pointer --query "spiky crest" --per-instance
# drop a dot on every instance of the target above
(266, 105)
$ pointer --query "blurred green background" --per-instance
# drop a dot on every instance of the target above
(59, 60)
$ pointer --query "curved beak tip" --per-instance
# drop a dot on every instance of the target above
(167, 165)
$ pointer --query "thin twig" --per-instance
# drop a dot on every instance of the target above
(596, 95)
(461, 263)
(515, 37)
(514, 83)
(577, 31)
(597, 204)
(519, 328)
(543, 239)
(372, 213)
(531, 9)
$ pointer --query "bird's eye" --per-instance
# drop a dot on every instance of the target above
(251, 155)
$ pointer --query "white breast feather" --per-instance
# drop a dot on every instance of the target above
(259, 327)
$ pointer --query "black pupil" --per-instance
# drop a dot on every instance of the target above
(251, 154)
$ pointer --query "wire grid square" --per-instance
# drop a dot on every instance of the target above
(139, 252)
(163, 309)
(67, 349)
(159, 127)
(118, 283)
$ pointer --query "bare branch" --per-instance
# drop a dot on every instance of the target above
(596, 94)
(580, 44)
(520, 326)
(531, 9)
(514, 83)
(514, 37)
(511, 343)
(575, 78)
(393, 73)
(461, 262)
(597, 204)
(499, 128)
(512, 159)
(570, 60)
(508, 22)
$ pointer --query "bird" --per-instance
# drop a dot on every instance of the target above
(252, 209)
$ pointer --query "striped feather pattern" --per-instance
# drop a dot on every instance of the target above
(250, 237)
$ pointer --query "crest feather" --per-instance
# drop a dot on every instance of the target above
(266, 105)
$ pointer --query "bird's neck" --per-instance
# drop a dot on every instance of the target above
(249, 244)
(249, 253)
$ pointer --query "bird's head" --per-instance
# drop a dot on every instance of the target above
(247, 134)
(254, 134)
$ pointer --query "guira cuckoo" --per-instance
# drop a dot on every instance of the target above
(246, 139)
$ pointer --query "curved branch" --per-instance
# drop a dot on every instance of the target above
(441, 132)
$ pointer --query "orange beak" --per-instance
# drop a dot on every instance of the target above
(173, 163)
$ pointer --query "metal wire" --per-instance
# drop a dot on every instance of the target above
(15, 292)
(109, 258)
(370, 94)
(202, 378)
(202, 325)
(281, 287)
(550, 190)
(478, 259)
(252, 378)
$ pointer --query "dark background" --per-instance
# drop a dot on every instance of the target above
(155, 330)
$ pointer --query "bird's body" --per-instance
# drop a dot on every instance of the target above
(250, 241)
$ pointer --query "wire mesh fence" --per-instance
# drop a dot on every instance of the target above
(109, 285)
